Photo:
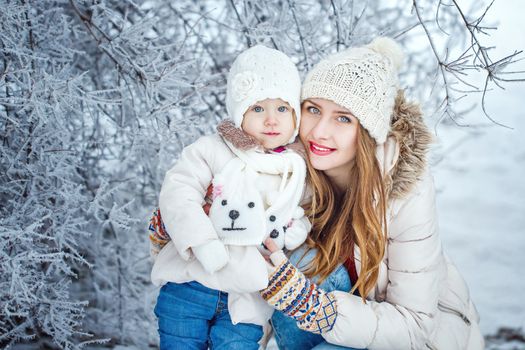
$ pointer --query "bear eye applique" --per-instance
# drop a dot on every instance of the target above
(251, 205)
(272, 218)
(224, 202)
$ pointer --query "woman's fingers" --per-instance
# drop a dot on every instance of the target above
(270, 245)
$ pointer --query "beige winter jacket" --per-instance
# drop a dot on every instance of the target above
(181, 200)
(420, 300)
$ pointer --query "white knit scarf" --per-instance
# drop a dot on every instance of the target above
(238, 210)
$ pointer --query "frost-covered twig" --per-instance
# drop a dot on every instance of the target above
(474, 57)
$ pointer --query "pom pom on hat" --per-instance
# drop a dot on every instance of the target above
(389, 48)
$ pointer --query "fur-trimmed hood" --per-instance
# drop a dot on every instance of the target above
(238, 138)
(405, 149)
(412, 139)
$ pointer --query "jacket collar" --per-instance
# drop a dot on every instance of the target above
(236, 137)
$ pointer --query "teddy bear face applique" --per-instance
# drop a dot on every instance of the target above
(237, 212)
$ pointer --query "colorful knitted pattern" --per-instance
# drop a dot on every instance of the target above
(296, 296)
(158, 236)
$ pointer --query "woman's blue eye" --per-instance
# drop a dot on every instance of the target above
(313, 110)
(344, 119)
(257, 109)
(282, 109)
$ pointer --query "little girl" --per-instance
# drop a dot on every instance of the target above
(211, 269)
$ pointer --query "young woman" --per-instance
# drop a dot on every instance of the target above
(373, 210)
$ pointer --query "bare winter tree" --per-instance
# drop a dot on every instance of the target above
(42, 205)
(98, 97)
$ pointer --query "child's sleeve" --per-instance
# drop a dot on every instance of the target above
(182, 198)
(158, 236)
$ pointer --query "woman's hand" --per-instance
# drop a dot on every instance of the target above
(268, 247)
(272, 254)
(291, 292)
(271, 245)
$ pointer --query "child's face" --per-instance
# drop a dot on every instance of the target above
(270, 121)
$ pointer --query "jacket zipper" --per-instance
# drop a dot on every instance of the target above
(448, 309)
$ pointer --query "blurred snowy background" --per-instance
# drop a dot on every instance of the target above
(481, 200)
(98, 97)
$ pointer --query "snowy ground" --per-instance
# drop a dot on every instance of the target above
(481, 203)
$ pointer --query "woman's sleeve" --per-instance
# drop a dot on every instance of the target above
(291, 292)
(182, 196)
(405, 318)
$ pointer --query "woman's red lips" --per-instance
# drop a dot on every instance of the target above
(271, 133)
(320, 150)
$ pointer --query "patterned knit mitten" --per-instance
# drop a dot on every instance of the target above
(296, 296)
(158, 237)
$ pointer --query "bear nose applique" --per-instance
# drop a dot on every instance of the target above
(274, 233)
(234, 214)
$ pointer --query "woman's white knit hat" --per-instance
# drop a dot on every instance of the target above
(260, 73)
(361, 79)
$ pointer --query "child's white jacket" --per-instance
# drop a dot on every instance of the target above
(181, 200)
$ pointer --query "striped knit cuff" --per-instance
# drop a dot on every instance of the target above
(296, 296)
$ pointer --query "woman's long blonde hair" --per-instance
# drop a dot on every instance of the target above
(357, 216)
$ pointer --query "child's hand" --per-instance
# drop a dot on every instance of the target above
(212, 255)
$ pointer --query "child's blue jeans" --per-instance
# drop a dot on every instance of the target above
(192, 316)
(287, 334)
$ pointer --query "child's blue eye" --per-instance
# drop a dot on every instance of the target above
(313, 110)
(282, 109)
(257, 109)
(344, 119)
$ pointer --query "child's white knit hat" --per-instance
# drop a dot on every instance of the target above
(361, 79)
(260, 73)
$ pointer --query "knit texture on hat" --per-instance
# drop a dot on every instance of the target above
(361, 79)
(260, 73)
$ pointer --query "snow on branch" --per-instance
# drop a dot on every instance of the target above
(476, 56)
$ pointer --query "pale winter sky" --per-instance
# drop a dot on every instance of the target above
(481, 188)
